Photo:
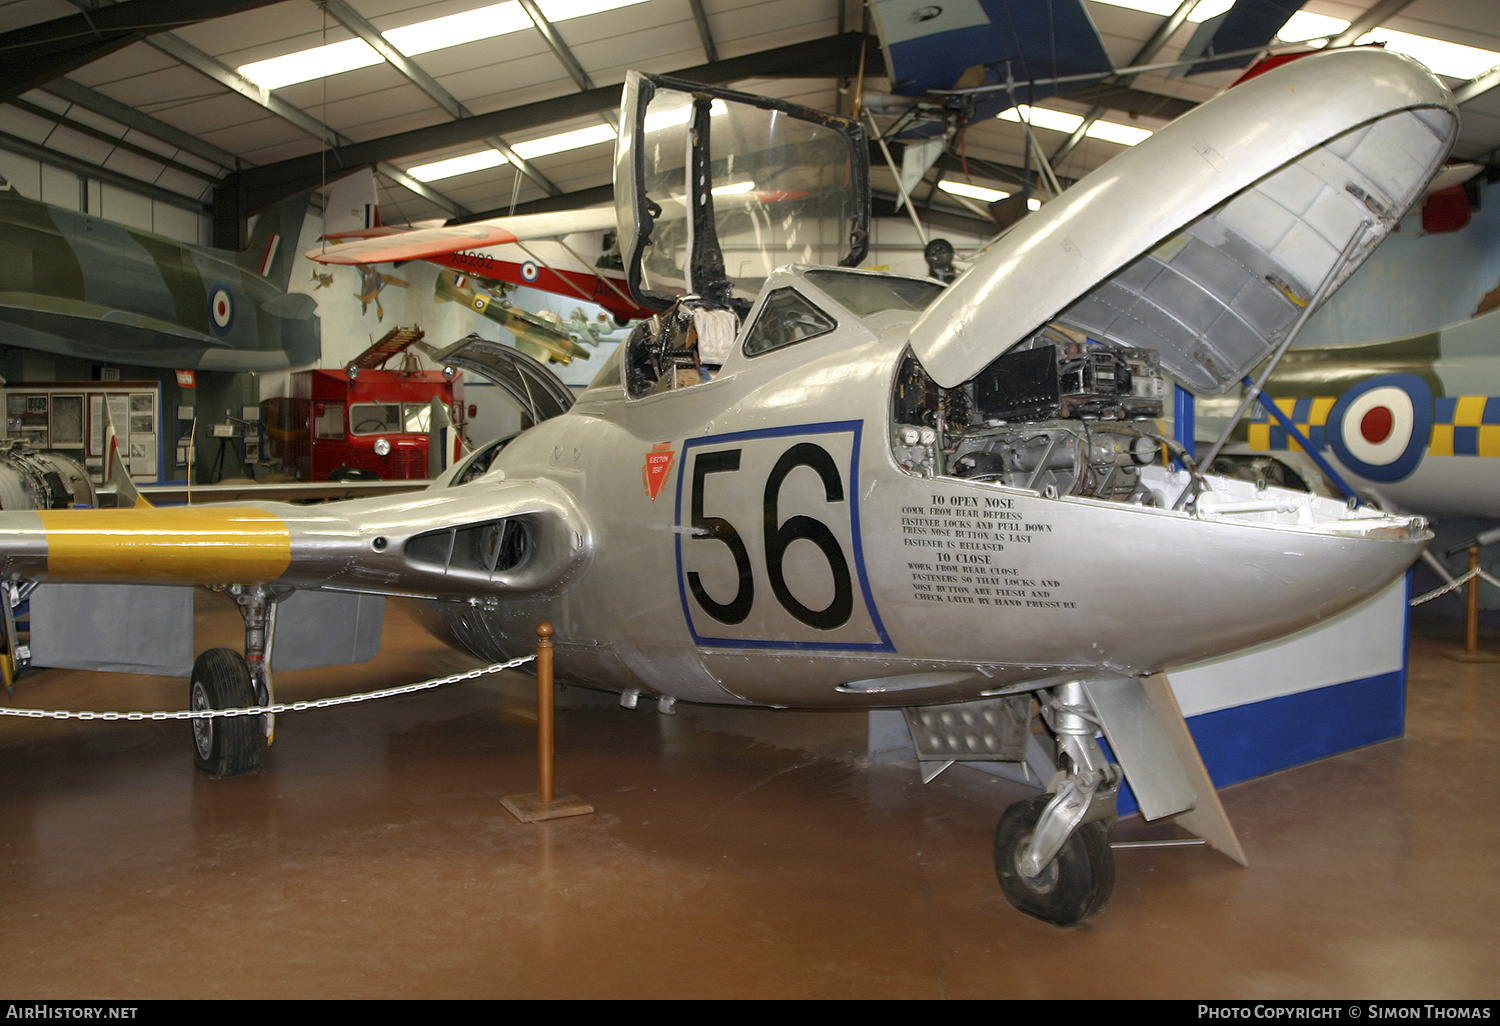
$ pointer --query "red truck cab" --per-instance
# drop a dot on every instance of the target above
(370, 421)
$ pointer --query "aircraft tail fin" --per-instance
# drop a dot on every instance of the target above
(117, 474)
(352, 206)
(273, 245)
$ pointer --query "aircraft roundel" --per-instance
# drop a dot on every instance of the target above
(1380, 428)
(221, 308)
(529, 271)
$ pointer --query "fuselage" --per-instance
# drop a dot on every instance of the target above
(82, 286)
(755, 539)
(1410, 419)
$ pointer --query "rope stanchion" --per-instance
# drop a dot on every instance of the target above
(544, 804)
(1471, 653)
(259, 710)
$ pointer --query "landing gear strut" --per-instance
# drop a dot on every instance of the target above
(1052, 852)
(227, 746)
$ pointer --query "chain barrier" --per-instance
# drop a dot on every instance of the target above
(279, 707)
(1457, 582)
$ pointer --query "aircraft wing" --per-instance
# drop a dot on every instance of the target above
(505, 536)
(427, 243)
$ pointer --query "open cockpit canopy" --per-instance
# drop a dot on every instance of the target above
(715, 189)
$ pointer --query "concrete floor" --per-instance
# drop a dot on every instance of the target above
(733, 853)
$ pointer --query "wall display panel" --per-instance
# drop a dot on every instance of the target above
(68, 417)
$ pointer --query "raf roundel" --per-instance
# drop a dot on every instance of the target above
(529, 271)
(221, 308)
(1380, 428)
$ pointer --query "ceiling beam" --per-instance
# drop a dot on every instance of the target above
(882, 205)
(220, 73)
(115, 141)
(84, 169)
(98, 103)
(47, 50)
(1128, 100)
(254, 189)
(705, 34)
(417, 76)
(1477, 86)
(1369, 20)
(1152, 47)
(228, 222)
(560, 48)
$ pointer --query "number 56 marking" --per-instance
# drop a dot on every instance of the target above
(768, 540)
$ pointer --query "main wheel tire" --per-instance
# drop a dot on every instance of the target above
(224, 746)
(1073, 887)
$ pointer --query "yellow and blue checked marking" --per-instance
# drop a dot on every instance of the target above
(1466, 425)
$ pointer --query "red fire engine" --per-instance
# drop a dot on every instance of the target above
(362, 420)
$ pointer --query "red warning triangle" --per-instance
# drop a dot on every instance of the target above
(658, 466)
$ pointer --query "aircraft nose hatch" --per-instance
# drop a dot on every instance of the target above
(1208, 241)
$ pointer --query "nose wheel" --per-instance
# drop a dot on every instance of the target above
(1070, 889)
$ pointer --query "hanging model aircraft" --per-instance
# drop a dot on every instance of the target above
(881, 492)
(535, 335)
(526, 249)
(81, 286)
(371, 284)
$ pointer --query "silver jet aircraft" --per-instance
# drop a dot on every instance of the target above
(802, 484)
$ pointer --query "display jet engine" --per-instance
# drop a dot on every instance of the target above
(801, 484)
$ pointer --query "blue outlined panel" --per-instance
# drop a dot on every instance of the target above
(768, 540)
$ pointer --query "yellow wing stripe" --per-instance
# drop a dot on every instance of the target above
(182, 545)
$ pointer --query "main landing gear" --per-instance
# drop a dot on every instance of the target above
(224, 746)
(227, 746)
(1052, 852)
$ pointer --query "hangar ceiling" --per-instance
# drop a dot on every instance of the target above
(145, 93)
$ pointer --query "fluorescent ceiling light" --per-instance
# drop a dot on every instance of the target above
(563, 10)
(1111, 131)
(576, 139)
(1303, 26)
(419, 38)
(978, 192)
(306, 65)
(1061, 121)
(734, 189)
(529, 150)
(440, 33)
(1041, 117)
(454, 166)
(671, 117)
(1206, 8)
(1452, 59)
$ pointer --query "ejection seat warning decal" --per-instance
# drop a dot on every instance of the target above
(656, 468)
(768, 540)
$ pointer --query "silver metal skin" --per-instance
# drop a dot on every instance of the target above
(1072, 576)
(1298, 145)
(859, 508)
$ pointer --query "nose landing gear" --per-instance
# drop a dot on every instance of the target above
(1052, 852)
